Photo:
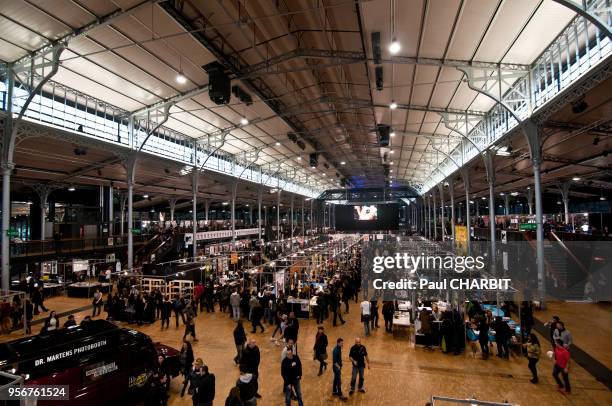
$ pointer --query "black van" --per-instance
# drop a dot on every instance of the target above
(100, 361)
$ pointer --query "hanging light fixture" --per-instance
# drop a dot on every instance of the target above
(394, 46)
(393, 105)
(180, 78)
(244, 121)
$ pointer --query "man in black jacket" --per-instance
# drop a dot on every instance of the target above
(292, 330)
(250, 363)
(335, 307)
(246, 384)
(503, 334)
(239, 339)
(291, 371)
(206, 388)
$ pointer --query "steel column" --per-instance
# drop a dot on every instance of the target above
(466, 182)
(451, 190)
(259, 222)
(441, 187)
(234, 187)
(278, 232)
(435, 214)
(291, 218)
(111, 214)
(194, 211)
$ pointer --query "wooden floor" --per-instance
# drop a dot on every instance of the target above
(400, 373)
(582, 319)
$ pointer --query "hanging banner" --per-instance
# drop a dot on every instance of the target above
(213, 235)
(234, 258)
(461, 236)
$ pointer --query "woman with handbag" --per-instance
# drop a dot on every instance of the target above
(320, 349)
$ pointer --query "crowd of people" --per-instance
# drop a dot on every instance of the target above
(261, 309)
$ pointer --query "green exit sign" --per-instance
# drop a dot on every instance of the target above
(11, 232)
(528, 226)
(136, 231)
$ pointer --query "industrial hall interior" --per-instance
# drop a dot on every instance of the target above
(306, 202)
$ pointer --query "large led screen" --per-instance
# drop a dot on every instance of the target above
(367, 217)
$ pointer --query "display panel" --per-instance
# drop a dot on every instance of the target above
(365, 213)
(367, 217)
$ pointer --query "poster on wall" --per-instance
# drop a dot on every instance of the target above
(79, 265)
(49, 268)
(279, 282)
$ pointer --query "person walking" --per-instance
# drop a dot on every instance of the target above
(178, 305)
(387, 311)
(206, 388)
(561, 333)
(533, 356)
(190, 326)
(336, 307)
(365, 316)
(483, 337)
(291, 371)
(292, 330)
(320, 349)
(97, 303)
(562, 358)
(256, 315)
(239, 339)
(337, 369)
(166, 310)
(359, 358)
(502, 337)
(250, 360)
(186, 364)
(246, 387)
(233, 398)
(235, 303)
(374, 314)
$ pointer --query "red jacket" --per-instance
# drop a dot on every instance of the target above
(197, 291)
(562, 356)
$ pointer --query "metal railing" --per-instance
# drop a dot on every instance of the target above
(70, 245)
(577, 49)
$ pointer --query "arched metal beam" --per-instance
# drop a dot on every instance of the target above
(583, 10)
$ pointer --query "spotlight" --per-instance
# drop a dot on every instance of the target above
(394, 46)
(71, 189)
(145, 196)
(575, 178)
(180, 78)
(392, 134)
(376, 50)
(277, 143)
(579, 106)
(342, 163)
(378, 73)
(244, 121)
(393, 105)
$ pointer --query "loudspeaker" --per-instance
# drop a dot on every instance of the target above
(314, 160)
(376, 50)
(292, 136)
(383, 135)
(242, 95)
(219, 84)
(379, 77)
(301, 144)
